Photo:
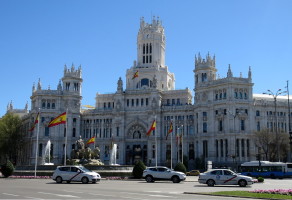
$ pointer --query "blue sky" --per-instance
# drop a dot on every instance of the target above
(39, 37)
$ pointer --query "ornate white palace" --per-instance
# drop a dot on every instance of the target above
(218, 126)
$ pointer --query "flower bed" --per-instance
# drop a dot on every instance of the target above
(275, 191)
(32, 177)
(116, 178)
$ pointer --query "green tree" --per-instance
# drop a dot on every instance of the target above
(7, 169)
(180, 167)
(138, 169)
(11, 137)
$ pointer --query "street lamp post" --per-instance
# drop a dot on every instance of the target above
(289, 123)
(233, 156)
(275, 95)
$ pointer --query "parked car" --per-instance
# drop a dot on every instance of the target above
(224, 177)
(75, 174)
(152, 174)
(193, 173)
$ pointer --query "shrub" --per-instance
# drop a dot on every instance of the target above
(260, 179)
(180, 167)
(7, 169)
(138, 169)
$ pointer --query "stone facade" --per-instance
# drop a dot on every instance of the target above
(217, 125)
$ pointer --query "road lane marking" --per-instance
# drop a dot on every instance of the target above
(59, 195)
(159, 195)
(73, 191)
(15, 195)
(117, 196)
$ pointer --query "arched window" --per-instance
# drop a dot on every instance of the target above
(145, 81)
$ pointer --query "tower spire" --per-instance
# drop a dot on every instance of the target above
(229, 73)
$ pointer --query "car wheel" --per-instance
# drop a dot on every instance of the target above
(175, 179)
(242, 183)
(59, 179)
(84, 180)
(149, 179)
(93, 182)
(210, 182)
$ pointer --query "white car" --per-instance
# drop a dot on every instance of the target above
(224, 177)
(75, 174)
(152, 174)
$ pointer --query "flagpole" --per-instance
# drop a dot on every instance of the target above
(37, 144)
(65, 150)
(182, 142)
(171, 150)
(155, 142)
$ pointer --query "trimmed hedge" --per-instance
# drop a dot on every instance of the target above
(138, 169)
(180, 167)
(7, 169)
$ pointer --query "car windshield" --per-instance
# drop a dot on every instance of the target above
(85, 169)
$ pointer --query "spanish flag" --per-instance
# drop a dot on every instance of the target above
(135, 75)
(170, 130)
(91, 140)
(61, 119)
(35, 122)
(152, 128)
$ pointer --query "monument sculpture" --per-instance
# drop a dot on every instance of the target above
(85, 155)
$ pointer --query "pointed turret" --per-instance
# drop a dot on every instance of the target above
(33, 88)
(120, 85)
(249, 74)
(59, 87)
(39, 85)
(229, 73)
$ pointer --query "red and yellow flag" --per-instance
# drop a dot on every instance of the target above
(61, 119)
(91, 140)
(136, 74)
(152, 128)
(35, 122)
(170, 130)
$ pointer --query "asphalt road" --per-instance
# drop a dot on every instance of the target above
(122, 189)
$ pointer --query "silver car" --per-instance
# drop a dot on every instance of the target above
(75, 174)
(224, 177)
(152, 174)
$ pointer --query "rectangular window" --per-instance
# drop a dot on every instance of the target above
(217, 152)
(132, 102)
(74, 132)
(226, 148)
(221, 148)
(205, 148)
(40, 150)
(220, 125)
(47, 131)
(118, 131)
(146, 101)
(142, 102)
(242, 125)
(205, 127)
